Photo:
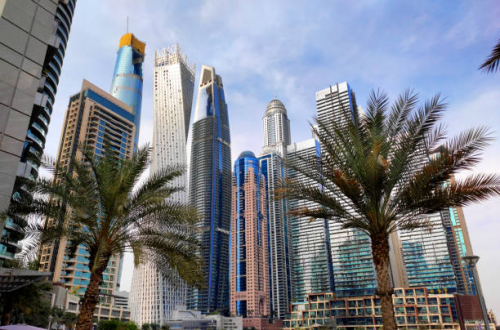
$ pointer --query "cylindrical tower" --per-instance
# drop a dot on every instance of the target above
(276, 126)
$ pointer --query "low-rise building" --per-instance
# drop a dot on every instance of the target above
(415, 309)
(117, 309)
(183, 319)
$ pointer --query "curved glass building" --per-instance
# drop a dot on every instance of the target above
(210, 192)
(127, 78)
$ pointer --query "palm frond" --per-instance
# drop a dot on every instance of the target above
(492, 63)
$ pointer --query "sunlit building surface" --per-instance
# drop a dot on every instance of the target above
(210, 192)
(127, 77)
(33, 40)
(152, 298)
(276, 128)
(92, 116)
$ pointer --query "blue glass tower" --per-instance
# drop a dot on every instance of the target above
(127, 78)
(210, 192)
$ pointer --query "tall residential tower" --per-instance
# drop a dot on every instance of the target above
(249, 255)
(210, 192)
(152, 298)
(92, 116)
(276, 128)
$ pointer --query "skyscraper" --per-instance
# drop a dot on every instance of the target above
(210, 191)
(33, 41)
(152, 299)
(127, 78)
(276, 128)
(249, 260)
(92, 116)
(353, 270)
(311, 250)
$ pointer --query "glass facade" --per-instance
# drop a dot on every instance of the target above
(127, 77)
(353, 269)
(311, 249)
(426, 257)
(210, 192)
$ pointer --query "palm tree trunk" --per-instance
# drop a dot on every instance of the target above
(380, 251)
(91, 298)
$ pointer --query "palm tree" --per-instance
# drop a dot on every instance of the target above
(492, 63)
(385, 170)
(103, 207)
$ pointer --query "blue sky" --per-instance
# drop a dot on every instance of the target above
(299, 47)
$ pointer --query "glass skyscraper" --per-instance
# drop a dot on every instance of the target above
(311, 254)
(353, 269)
(152, 298)
(276, 128)
(33, 40)
(127, 77)
(249, 261)
(210, 192)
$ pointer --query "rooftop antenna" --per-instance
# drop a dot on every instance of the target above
(127, 24)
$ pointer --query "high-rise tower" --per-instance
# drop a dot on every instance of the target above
(152, 299)
(249, 261)
(353, 269)
(276, 128)
(33, 40)
(210, 191)
(312, 264)
(92, 117)
(127, 78)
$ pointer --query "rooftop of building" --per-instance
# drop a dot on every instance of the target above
(247, 154)
(129, 39)
(275, 106)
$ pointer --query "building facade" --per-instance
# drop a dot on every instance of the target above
(126, 85)
(415, 308)
(426, 257)
(276, 129)
(32, 48)
(92, 116)
(152, 298)
(249, 279)
(311, 251)
(353, 269)
(210, 191)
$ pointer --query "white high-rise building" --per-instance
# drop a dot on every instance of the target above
(276, 129)
(152, 299)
